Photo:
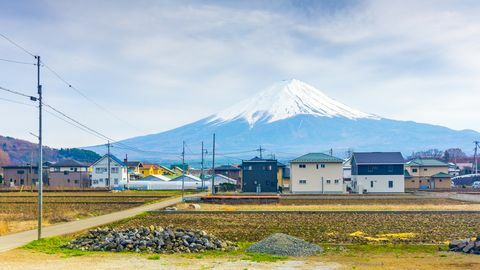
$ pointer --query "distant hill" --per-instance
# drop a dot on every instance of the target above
(15, 151)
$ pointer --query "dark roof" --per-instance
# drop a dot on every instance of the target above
(281, 165)
(68, 162)
(257, 159)
(426, 162)
(114, 158)
(227, 168)
(378, 158)
(318, 157)
(133, 163)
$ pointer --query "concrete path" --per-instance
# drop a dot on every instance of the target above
(16, 240)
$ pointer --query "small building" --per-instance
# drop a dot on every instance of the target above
(69, 173)
(22, 175)
(229, 171)
(378, 172)
(317, 173)
(259, 175)
(149, 169)
(118, 172)
(427, 173)
(134, 168)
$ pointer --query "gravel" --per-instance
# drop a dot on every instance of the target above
(468, 245)
(150, 239)
(284, 245)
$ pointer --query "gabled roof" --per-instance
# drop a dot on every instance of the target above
(150, 165)
(378, 158)
(227, 168)
(155, 177)
(406, 174)
(188, 177)
(257, 159)
(225, 179)
(166, 169)
(426, 162)
(68, 162)
(114, 158)
(318, 157)
(441, 175)
(134, 164)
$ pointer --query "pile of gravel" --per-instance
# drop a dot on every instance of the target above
(151, 239)
(284, 245)
(466, 245)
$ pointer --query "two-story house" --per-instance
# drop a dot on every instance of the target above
(100, 175)
(317, 173)
(68, 173)
(259, 175)
(229, 171)
(427, 173)
(381, 172)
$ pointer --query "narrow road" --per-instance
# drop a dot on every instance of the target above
(16, 240)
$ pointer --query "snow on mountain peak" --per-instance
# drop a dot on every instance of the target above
(287, 99)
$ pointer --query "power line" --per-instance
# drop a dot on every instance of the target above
(17, 62)
(17, 102)
(17, 45)
(18, 93)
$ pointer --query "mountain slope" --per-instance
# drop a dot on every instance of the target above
(292, 118)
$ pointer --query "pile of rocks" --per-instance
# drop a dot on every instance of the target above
(284, 245)
(466, 245)
(151, 239)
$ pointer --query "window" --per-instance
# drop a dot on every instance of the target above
(371, 184)
(20, 172)
(390, 184)
(414, 170)
(248, 168)
(100, 180)
(65, 172)
(440, 180)
(75, 169)
(100, 170)
(75, 181)
(302, 166)
(22, 181)
(114, 170)
(302, 182)
(425, 169)
(68, 180)
(115, 181)
(329, 181)
(337, 181)
(56, 169)
(322, 165)
(95, 182)
(267, 168)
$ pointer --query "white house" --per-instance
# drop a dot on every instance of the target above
(378, 172)
(317, 173)
(118, 172)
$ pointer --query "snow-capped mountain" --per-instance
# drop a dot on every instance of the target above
(289, 119)
(287, 99)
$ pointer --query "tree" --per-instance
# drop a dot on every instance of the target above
(452, 153)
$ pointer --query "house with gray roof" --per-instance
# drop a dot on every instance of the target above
(101, 176)
(378, 172)
(317, 173)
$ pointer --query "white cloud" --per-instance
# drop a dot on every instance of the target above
(162, 64)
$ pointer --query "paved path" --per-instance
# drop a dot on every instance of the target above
(16, 240)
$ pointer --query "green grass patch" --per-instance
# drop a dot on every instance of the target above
(383, 248)
(262, 257)
(154, 257)
(53, 245)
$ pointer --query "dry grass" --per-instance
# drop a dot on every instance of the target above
(18, 211)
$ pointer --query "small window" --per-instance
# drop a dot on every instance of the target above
(68, 180)
(425, 169)
(303, 182)
(65, 172)
(22, 181)
(322, 165)
(371, 184)
(20, 172)
(302, 166)
(390, 184)
(75, 181)
(440, 180)
(337, 181)
(329, 181)
(414, 170)
(115, 170)
(95, 182)
(413, 181)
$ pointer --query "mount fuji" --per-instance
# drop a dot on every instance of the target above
(291, 118)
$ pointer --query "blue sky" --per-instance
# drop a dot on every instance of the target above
(161, 64)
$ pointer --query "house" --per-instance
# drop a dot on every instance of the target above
(165, 171)
(347, 173)
(381, 172)
(317, 173)
(229, 171)
(285, 178)
(427, 173)
(133, 168)
(68, 173)
(100, 175)
(283, 183)
(149, 169)
(259, 175)
(22, 175)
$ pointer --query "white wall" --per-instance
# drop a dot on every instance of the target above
(317, 179)
(380, 183)
(117, 176)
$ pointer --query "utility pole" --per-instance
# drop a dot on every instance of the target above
(40, 151)
(213, 166)
(128, 174)
(475, 157)
(108, 162)
(183, 170)
(202, 176)
(331, 151)
(260, 150)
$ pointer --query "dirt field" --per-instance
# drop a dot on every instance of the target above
(334, 257)
(324, 227)
(18, 210)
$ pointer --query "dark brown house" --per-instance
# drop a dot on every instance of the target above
(16, 176)
(229, 171)
(69, 173)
